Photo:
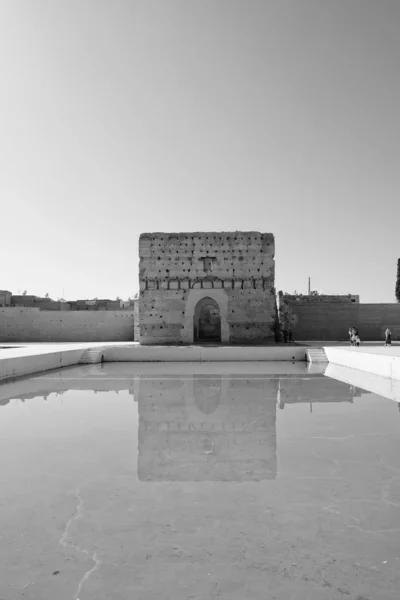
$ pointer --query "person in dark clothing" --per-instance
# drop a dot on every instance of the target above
(388, 337)
(290, 336)
(285, 336)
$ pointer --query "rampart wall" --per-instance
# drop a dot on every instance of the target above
(331, 321)
(34, 325)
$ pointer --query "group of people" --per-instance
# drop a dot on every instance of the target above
(287, 336)
(355, 337)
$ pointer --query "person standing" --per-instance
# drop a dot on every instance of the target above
(388, 337)
(353, 334)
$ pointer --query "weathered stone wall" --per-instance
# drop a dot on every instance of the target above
(136, 320)
(331, 321)
(236, 270)
(313, 298)
(34, 325)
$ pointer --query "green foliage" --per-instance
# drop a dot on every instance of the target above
(397, 290)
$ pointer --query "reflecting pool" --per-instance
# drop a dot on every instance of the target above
(207, 480)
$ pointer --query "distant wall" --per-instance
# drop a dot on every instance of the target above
(34, 325)
(320, 298)
(331, 321)
(49, 304)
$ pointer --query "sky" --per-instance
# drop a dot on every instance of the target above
(119, 117)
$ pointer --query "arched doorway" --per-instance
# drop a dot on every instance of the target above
(207, 321)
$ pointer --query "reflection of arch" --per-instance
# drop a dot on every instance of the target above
(207, 394)
(207, 321)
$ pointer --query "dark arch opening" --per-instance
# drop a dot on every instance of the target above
(207, 321)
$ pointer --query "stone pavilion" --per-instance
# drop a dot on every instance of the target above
(213, 287)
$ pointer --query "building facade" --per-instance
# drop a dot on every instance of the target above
(5, 298)
(207, 287)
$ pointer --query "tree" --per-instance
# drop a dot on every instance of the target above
(397, 290)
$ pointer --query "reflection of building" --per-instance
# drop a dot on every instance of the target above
(93, 378)
(207, 428)
(314, 389)
(200, 422)
(362, 380)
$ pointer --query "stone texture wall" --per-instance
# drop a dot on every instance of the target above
(236, 270)
(329, 298)
(34, 325)
(331, 321)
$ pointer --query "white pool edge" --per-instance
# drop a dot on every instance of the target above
(376, 363)
(28, 360)
(32, 359)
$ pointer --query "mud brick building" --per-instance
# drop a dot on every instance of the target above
(207, 287)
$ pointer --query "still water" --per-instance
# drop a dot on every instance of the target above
(199, 481)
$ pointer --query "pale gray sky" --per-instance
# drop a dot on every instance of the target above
(119, 117)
